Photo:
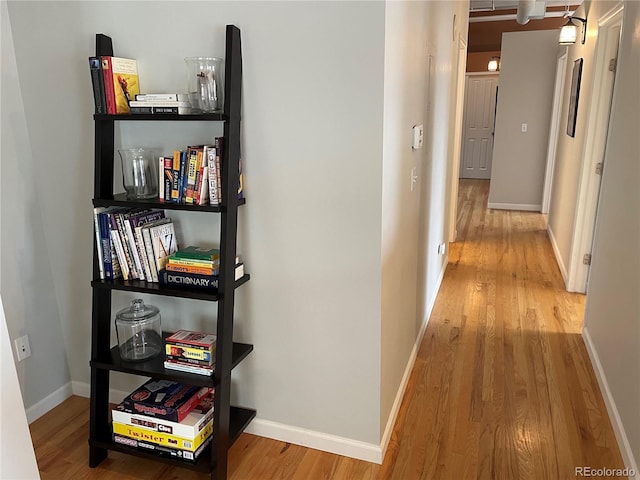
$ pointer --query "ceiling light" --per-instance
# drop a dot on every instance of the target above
(569, 33)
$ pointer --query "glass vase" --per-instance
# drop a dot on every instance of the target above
(139, 173)
(205, 83)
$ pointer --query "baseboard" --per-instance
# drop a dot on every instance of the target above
(347, 447)
(515, 206)
(49, 402)
(556, 251)
(82, 389)
(614, 416)
(395, 409)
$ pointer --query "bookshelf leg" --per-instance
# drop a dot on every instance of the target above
(96, 455)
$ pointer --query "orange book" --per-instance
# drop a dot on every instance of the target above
(190, 269)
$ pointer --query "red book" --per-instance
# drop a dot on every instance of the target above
(107, 76)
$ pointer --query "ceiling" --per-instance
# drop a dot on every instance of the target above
(489, 19)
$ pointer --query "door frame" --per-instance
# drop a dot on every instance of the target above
(554, 130)
(597, 133)
(457, 138)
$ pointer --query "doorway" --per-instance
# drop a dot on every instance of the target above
(478, 125)
(609, 30)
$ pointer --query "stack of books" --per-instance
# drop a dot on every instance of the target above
(166, 418)
(133, 243)
(193, 267)
(161, 104)
(192, 352)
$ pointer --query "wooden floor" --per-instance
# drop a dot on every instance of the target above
(502, 387)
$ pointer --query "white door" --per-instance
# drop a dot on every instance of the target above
(479, 124)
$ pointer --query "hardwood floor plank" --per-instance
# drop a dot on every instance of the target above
(502, 387)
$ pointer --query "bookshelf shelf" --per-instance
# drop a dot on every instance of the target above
(159, 117)
(228, 421)
(141, 286)
(155, 366)
(121, 200)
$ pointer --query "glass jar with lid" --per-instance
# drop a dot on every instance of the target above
(139, 331)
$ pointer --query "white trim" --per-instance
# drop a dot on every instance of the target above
(478, 74)
(454, 179)
(82, 389)
(49, 402)
(556, 250)
(325, 442)
(594, 148)
(515, 206)
(395, 409)
(552, 148)
(618, 427)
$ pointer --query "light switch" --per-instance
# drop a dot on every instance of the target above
(524, 128)
(418, 137)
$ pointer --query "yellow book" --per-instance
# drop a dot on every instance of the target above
(125, 82)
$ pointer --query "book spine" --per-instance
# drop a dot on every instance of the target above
(188, 353)
(204, 186)
(120, 221)
(167, 169)
(97, 82)
(133, 247)
(96, 224)
(142, 252)
(158, 110)
(219, 142)
(182, 188)
(105, 240)
(181, 279)
(160, 438)
(107, 77)
(191, 269)
(122, 261)
(189, 362)
(162, 451)
(148, 246)
(175, 182)
(188, 262)
(196, 188)
(188, 368)
(161, 179)
(160, 97)
(191, 176)
(212, 177)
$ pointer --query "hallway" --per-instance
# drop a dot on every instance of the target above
(502, 387)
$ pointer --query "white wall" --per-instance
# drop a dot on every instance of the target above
(612, 316)
(527, 74)
(310, 232)
(413, 222)
(29, 275)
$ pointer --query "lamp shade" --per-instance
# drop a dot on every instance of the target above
(568, 35)
(494, 64)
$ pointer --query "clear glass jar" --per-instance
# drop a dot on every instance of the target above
(139, 173)
(205, 83)
(139, 331)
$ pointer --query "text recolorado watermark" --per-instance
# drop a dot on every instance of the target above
(605, 472)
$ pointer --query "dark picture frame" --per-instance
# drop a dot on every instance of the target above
(574, 97)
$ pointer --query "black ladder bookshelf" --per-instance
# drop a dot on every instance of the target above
(229, 421)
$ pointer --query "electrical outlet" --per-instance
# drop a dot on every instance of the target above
(23, 350)
(442, 249)
(414, 178)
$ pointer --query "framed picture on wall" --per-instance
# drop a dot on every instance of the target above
(574, 96)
